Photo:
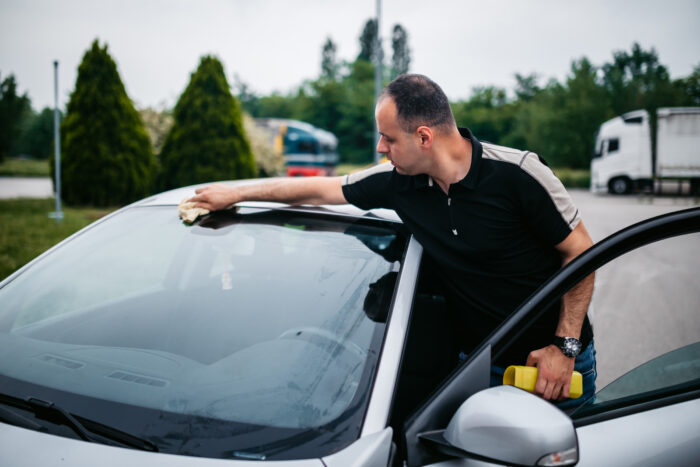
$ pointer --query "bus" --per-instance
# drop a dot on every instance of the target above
(307, 150)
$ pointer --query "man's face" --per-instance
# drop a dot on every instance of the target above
(399, 147)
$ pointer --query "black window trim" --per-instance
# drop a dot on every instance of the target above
(645, 403)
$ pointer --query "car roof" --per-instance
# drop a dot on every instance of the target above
(175, 196)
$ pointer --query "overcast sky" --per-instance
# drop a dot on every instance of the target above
(273, 45)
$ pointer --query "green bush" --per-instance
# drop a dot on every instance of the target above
(106, 156)
(574, 178)
(207, 141)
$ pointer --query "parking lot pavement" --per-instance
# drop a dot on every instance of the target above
(605, 214)
(25, 187)
(645, 304)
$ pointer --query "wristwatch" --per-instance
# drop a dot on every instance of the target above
(569, 346)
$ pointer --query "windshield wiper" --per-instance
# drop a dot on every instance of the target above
(83, 427)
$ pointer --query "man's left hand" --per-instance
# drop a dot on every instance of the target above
(554, 371)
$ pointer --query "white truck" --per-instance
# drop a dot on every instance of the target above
(622, 159)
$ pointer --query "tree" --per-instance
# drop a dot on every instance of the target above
(401, 58)
(38, 138)
(329, 63)
(250, 102)
(368, 42)
(14, 110)
(158, 124)
(688, 88)
(586, 106)
(106, 156)
(487, 113)
(355, 131)
(207, 140)
(637, 80)
(526, 86)
(559, 121)
(269, 162)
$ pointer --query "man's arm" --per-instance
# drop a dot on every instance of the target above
(307, 190)
(554, 368)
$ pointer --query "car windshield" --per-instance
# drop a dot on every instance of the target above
(252, 334)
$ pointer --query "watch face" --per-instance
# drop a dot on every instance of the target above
(573, 346)
(569, 346)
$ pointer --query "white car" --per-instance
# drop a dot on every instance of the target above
(299, 336)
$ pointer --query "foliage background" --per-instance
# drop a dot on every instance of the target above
(207, 141)
(107, 158)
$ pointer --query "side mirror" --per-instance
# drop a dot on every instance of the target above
(511, 426)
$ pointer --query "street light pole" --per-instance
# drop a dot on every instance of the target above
(377, 75)
(58, 214)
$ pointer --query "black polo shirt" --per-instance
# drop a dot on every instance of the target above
(492, 236)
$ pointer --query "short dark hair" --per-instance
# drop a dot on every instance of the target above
(419, 101)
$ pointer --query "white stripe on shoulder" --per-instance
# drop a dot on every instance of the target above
(362, 174)
(530, 163)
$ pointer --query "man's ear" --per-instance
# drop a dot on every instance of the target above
(425, 135)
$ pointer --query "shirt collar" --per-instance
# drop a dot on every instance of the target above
(472, 177)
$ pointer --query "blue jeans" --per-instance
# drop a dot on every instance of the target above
(584, 364)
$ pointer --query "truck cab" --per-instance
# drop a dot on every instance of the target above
(622, 155)
(622, 160)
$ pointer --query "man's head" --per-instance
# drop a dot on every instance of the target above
(419, 101)
(411, 112)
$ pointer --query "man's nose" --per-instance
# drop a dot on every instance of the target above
(381, 146)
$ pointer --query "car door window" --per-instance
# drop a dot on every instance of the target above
(646, 326)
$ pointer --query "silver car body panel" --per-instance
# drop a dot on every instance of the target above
(668, 436)
(463, 463)
(20, 447)
(368, 451)
(377, 415)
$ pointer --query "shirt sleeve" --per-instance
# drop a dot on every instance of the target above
(369, 188)
(549, 210)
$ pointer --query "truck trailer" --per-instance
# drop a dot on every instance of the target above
(622, 162)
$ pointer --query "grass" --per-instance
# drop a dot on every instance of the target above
(15, 167)
(344, 169)
(26, 230)
(574, 178)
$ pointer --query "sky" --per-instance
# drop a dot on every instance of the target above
(274, 45)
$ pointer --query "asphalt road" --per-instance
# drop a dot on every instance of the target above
(647, 302)
(25, 187)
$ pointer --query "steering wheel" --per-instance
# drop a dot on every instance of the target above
(315, 334)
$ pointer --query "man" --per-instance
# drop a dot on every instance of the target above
(495, 220)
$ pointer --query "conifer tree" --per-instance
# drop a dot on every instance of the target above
(14, 109)
(106, 155)
(401, 60)
(207, 140)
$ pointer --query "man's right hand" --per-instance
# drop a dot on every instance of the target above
(216, 196)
